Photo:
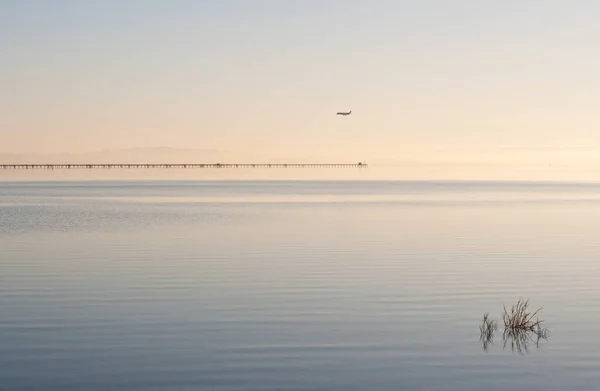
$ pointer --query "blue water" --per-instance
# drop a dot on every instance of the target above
(294, 285)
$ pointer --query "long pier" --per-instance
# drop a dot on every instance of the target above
(185, 165)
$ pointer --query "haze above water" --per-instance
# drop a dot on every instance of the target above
(293, 285)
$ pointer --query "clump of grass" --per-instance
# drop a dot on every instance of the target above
(487, 328)
(519, 318)
(521, 327)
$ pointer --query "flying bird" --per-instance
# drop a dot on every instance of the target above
(344, 113)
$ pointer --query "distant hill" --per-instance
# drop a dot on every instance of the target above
(134, 155)
(164, 155)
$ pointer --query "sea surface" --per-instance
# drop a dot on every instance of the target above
(295, 285)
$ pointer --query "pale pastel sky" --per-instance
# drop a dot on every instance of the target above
(463, 80)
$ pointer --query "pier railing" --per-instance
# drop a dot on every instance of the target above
(184, 165)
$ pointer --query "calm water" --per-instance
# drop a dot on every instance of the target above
(283, 285)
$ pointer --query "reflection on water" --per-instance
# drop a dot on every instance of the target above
(521, 340)
(304, 286)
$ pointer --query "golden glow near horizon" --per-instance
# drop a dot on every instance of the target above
(502, 89)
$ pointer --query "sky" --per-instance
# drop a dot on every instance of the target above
(469, 82)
